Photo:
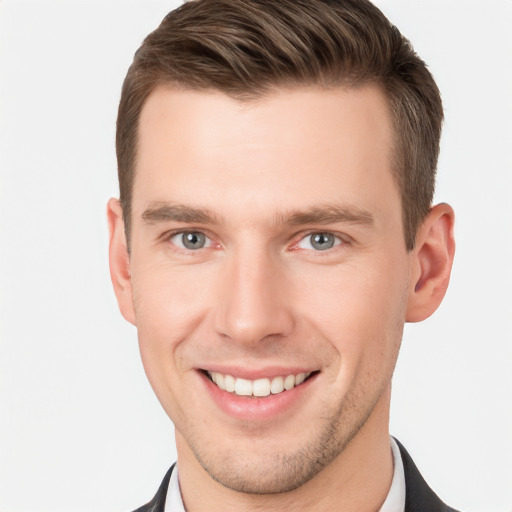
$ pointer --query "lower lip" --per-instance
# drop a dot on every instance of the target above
(256, 408)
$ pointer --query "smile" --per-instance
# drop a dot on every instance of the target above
(259, 387)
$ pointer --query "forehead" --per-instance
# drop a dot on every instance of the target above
(303, 145)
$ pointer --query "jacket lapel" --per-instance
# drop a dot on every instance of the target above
(419, 497)
(157, 504)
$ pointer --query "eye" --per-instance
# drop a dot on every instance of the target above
(191, 240)
(319, 241)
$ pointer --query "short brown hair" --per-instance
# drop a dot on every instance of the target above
(246, 48)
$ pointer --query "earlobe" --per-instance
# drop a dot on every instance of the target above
(432, 263)
(119, 260)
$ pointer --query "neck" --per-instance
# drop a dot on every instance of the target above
(358, 479)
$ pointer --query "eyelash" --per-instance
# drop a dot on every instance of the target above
(183, 250)
(340, 242)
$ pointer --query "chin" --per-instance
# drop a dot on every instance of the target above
(257, 469)
(279, 474)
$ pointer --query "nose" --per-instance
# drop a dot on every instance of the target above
(253, 301)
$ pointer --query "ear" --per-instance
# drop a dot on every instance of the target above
(119, 260)
(432, 260)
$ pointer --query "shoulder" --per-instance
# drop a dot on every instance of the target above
(157, 504)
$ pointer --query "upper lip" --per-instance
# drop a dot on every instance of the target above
(268, 372)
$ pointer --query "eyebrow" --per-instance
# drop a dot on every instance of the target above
(329, 214)
(323, 214)
(165, 212)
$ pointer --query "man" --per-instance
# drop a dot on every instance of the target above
(274, 233)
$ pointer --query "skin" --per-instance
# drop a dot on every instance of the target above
(257, 179)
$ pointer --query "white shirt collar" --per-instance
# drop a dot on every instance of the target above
(173, 501)
(395, 501)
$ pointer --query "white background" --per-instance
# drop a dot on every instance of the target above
(80, 429)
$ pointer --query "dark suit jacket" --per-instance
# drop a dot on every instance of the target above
(419, 497)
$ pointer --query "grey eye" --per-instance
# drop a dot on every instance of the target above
(191, 240)
(322, 241)
(319, 241)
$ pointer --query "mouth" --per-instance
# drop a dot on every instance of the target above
(258, 388)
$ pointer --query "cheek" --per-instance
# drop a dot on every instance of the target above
(165, 294)
(169, 305)
(359, 308)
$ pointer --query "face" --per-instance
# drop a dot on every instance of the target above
(269, 276)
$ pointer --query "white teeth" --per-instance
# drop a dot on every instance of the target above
(299, 379)
(258, 387)
(277, 385)
(261, 387)
(289, 382)
(229, 382)
(220, 381)
(243, 387)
